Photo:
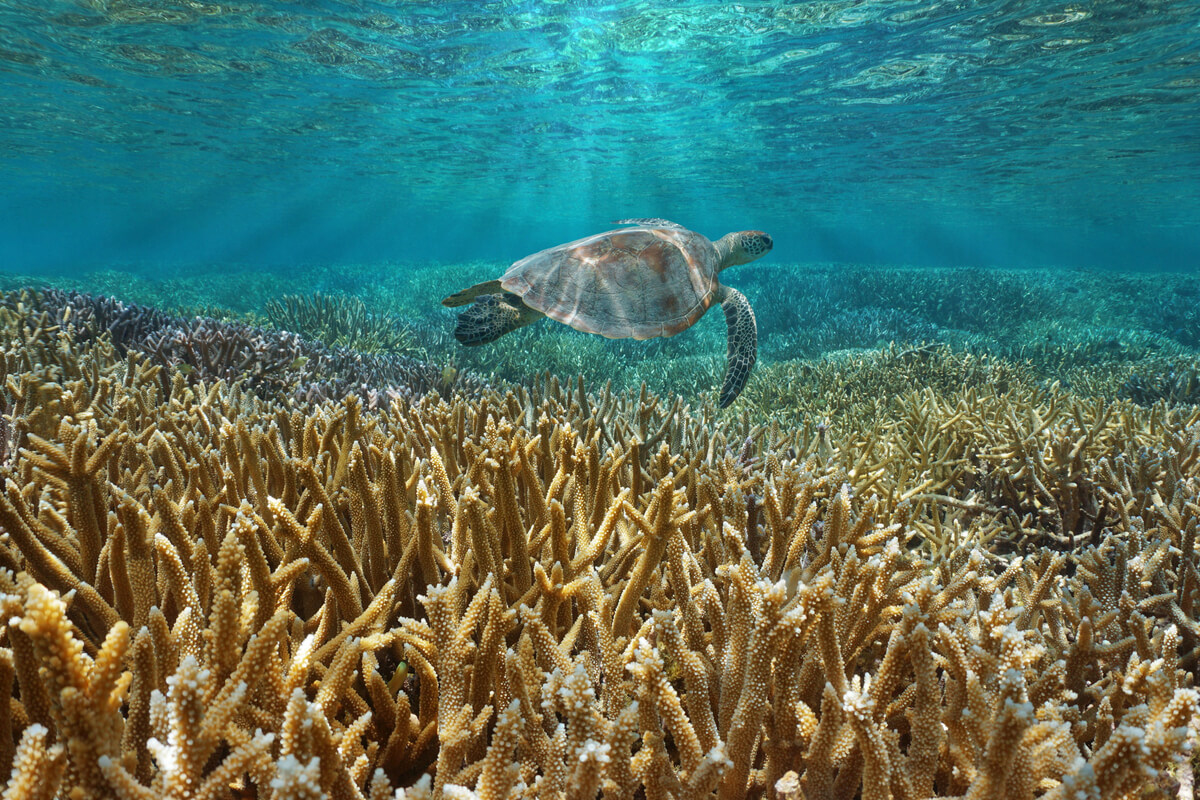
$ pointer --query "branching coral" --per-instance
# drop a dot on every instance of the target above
(1096, 334)
(272, 364)
(1175, 383)
(552, 593)
(340, 321)
(859, 385)
(1177, 315)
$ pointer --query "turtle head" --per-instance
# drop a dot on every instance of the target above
(743, 247)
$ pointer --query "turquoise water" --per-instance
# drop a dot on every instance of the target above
(184, 133)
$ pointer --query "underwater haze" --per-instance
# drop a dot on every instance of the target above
(174, 134)
(319, 477)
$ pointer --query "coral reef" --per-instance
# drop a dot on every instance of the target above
(1179, 314)
(1176, 383)
(865, 327)
(340, 321)
(200, 349)
(1089, 331)
(966, 299)
(989, 591)
(857, 386)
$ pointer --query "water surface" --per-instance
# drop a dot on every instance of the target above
(184, 133)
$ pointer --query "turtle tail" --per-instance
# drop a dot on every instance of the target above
(491, 317)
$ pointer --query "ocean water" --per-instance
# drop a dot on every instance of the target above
(174, 136)
(975, 408)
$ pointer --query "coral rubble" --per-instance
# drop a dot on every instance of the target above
(544, 592)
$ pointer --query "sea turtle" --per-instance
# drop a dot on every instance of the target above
(654, 279)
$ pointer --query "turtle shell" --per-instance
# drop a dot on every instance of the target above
(634, 282)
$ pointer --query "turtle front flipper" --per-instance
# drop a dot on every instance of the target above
(492, 316)
(467, 295)
(743, 343)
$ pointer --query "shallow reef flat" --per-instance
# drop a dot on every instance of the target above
(822, 328)
(238, 562)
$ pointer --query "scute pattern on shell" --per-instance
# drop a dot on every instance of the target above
(633, 282)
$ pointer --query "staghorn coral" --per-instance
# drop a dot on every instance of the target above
(1177, 315)
(954, 298)
(274, 364)
(1176, 383)
(340, 321)
(865, 327)
(858, 385)
(549, 592)
(1096, 333)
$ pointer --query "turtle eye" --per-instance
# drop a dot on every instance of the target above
(766, 241)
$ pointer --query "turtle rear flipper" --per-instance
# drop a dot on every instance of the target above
(492, 316)
(743, 343)
(467, 295)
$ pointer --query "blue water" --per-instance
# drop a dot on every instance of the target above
(186, 133)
